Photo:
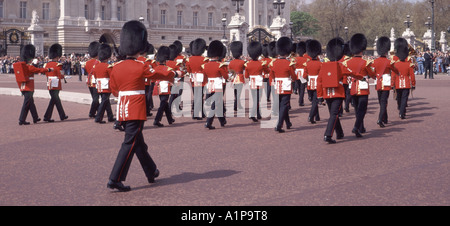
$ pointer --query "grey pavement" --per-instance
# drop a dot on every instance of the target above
(68, 163)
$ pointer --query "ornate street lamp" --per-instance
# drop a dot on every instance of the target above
(141, 19)
(432, 26)
(291, 26)
(224, 24)
(408, 22)
(279, 4)
(346, 33)
(428, 23)
(238, 3)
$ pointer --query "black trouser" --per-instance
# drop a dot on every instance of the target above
(267, 87)
(237, 95)
(149, 97)
(361, 103)
(95, 102)
(428, 66)
(28, 106)
(301, 91)
(105, 105)
(334, 124)
(176, 91)
(314, 112)
(255, 111)
(216, 100)
(348, 97)
(164, 108)
(133, 143)
(197, 107)
(54, 101)
(402, 100)
(283, 114)
(383, 96)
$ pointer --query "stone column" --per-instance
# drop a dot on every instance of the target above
(427, 39)
(37, 34)
(98, 9)
(238, 30)
(443, 42)
(114, 10)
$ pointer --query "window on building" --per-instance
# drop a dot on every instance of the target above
(179, 18)
(1, 8)
(163, 16)
(103, 12)
(86, 11)
(195, 19)
(45, 11)
(23, 10)
(210, 19)
(119, 13)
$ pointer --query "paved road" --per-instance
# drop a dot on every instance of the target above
(68, 163)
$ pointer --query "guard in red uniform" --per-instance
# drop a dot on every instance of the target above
(383, 67)
(215, 72)
(25, 80)
(148, 93)
(267, 60)
(255, 70)
(90, 81)
(102, 72)
(54, 83)
(164, 86)
(300, 61)
(330, 86)
(360, 72)
(127, 83)
(404, 78)
(312, 68)
(194, 68)
(236, 68)
(348, 97)
(282, 73)
(271, 48)
(177, 62)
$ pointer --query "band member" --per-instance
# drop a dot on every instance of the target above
(54, 83)
(25, 80)
(282, 73)
(255, 70)
(346, 81)
(267, 59)
(236, 68)
(215, 72)
(164, 86)
(194, 68)
(127, 83)
(383, 67)
(405, 78)
(360, 73)
(102, 73)
(330, 86)
(300, 61)
(90, 81)
(312, 68)
(143, 57)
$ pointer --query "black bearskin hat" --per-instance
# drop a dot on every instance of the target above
(284, 46)
(215, 49)
(358, 43)
(133, 38)
(301, 48)
(272, 49)
(254, 50)
(198, 47)
(145, 49)
(335, 49)
(236, 49)
(179, 46)
(401, 48)
(163, 54)
(383, 46)
(347, 51)
(28, 52)
(173, 52)
(93, 49)
(313, 48)
(55, 51)
(265, 50)
(224, 52)
(104, 52)
(151, 49)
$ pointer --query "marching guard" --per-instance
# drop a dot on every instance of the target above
(330, 86)
(312, 68)
(300, 61)
(282, 73)
(102, 72)
(236, 68)
(405, 79)
(194, 68)
(54, 83)
(148, 83)
(24, 73)
(90, 80)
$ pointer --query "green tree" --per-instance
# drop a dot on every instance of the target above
(304, 24)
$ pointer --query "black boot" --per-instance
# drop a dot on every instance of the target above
(118, 185)
(329, 140)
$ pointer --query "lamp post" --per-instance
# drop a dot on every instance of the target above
(279, 4)
(408, 22)
(224, 24)
(291, 26)
(238, 3)
(428, 23)
(432, 26)
(346, 33)
(141, 19)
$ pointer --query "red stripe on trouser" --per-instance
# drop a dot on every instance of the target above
(337, 116)
(129, 153)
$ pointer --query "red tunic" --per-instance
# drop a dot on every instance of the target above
(194, 68)
(267, 61)
(167, 75)
(311, 73)
(300, 66)
(383, 67)
(237, 67)
(255, 71)
(54, 77)
(330, 83)
(359, 68)
(25, 75)
(215, 72)
(127, 83)
(102, 72)
(282, 72)
(405, 77)
(90, 81)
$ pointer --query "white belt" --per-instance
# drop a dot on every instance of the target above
(132, 93)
